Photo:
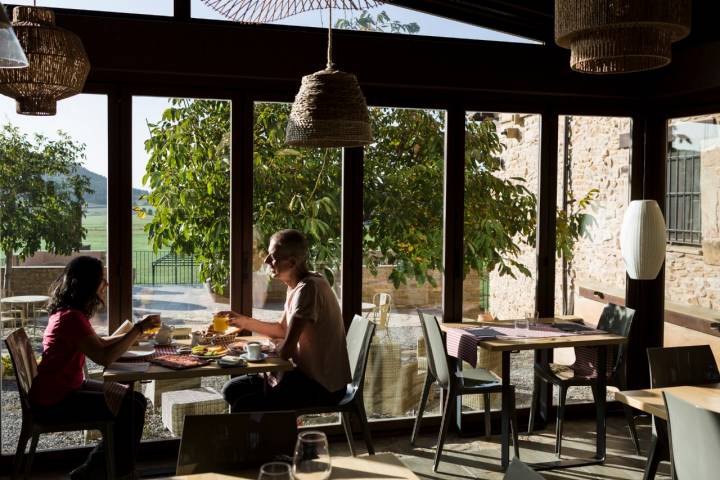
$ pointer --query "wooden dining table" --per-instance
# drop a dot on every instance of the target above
(507, 345)
(383, 466)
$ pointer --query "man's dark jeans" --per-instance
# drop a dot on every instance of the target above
(251, 393)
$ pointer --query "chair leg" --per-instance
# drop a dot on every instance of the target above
(345, 420)
(562, 394)
(631, 426)
(488, 426)
(446, 419)
(360, 411)
(533, 403)
(109, 451)
(31, 454)
(20, 453)
(421, 408)
(514, 425)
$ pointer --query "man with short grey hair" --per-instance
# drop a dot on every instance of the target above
(313, 335)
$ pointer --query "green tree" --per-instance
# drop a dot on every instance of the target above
(41, 195)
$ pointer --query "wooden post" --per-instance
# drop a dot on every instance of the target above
(352, 225)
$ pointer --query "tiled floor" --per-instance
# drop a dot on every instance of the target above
(470, 458)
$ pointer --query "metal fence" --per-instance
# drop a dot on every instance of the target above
(164, 268)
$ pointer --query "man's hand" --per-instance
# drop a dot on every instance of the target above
(148, 322)
(236, 319)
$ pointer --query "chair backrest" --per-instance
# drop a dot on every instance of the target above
(24, 364)
(381, 311)
(694, 439)
(230, 442)
(519, 471)
(436, 357)
(673, 366)
(617, 320)
(359, 337)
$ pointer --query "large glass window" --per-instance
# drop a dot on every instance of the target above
(402, 253)
(501, 167)
(155, 7)
(692, 262)
(593, 193)
(180, 222)
(53, 192)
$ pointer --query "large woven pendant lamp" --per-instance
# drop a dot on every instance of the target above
(58, 63)
(329, 109)
(642, 239)
(11, 53)
(620, 36)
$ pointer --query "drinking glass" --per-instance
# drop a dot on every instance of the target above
(275, 471)
(522, 327)
(312, 457)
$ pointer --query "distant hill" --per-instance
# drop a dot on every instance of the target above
(99, 184)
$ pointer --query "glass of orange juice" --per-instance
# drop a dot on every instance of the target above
(220, 322)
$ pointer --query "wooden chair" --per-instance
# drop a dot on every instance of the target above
(694, 439)
(672, 367)
(230, 442)
(454, 384)
(381, 311)
(25, 365)
(614, 319)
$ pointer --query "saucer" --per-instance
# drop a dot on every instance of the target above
(263, 356)
(171, 343)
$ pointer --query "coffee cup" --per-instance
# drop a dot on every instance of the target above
(254, 350)
(164, 335)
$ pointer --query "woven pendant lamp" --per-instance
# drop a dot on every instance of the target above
(329, 109)
(58, 63)
(11, 53)
(620, 36)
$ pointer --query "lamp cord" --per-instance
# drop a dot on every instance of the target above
(330, 64)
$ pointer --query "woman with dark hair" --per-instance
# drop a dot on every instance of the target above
(60, 392)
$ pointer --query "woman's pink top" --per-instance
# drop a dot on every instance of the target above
(61, 369)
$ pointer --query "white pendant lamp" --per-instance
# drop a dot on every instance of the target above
(11, 53)
(642, 239)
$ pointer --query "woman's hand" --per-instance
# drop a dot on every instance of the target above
(148, 322)
(236, 319)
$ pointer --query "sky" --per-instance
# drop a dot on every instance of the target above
(84, 117)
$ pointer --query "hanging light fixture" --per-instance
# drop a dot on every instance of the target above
(620, 36)
(58, 66)
(642, 239)
(11, 53)
(329, 109)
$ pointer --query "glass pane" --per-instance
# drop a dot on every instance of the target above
(155, 7)
(180, 224)
(402, 253)
(692, 268)
(292, 188)
(593, 192)
(44, 223)
(501, 159)
(384, 18)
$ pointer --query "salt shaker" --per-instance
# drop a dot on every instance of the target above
(195, 338)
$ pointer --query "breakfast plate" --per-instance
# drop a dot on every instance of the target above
(137, 353)
(209, 353)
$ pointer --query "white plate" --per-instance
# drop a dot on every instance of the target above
(263, 356)
(137, 354)
(172, 343)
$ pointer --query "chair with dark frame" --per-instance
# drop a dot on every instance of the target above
(614, 319)
(359, 337)
(694, 434)
(228, 442)
(25, 365)
(672, 367)
(454, 384)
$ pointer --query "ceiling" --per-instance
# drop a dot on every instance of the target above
(534, 18)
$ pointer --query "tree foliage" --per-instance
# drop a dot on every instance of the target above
(41, 194)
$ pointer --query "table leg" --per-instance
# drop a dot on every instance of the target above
(456, 366)
(505, 437)
(600, 402)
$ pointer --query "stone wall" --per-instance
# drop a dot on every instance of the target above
(32, 280)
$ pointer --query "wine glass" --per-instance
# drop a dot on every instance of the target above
(275, 471)
(312, 457)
